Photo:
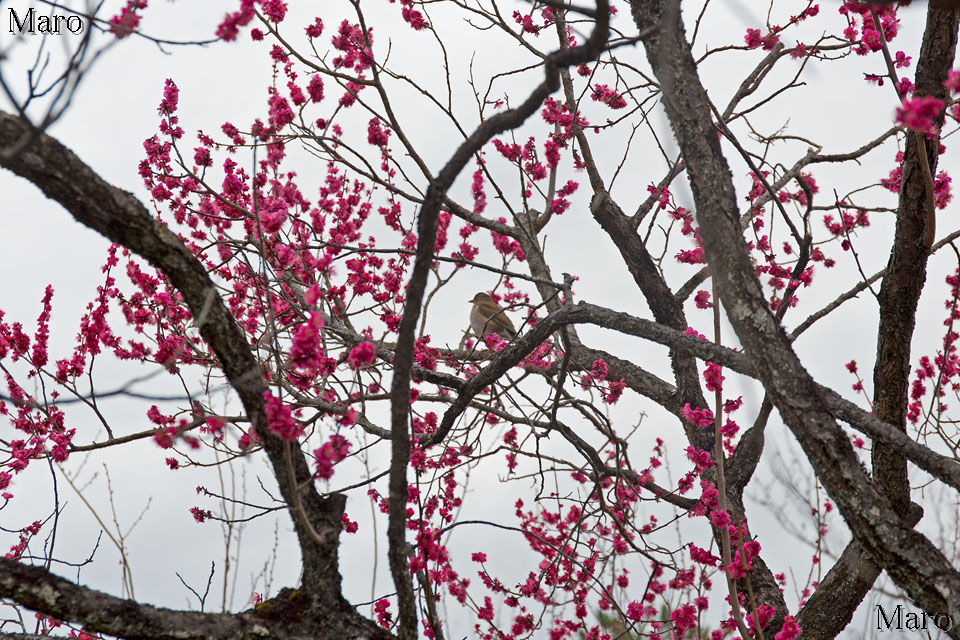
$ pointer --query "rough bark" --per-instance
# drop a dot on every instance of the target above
(121, 218)
(416, 287)
(907, 266)
(665, 307)
(839, 594)
(899, 294)
(285, 616)
(913, 562)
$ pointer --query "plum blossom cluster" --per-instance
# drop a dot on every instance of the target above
(861, 30)
(755, 38)
(126, 22)
(529, 24)
(685, 218)
(595, 379)
(940, 373)
(318, 263)
(785, 271)
(610, 97)
(327, 456)
(39, 423)
(919, 113)
(412, 16)
(578, 541)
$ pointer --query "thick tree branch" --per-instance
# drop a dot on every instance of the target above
(120, 217)
(905, 274)
(426, 234)
(280, 617)
(907, 267)
(937, 465)
(914, 563)
(667, 309)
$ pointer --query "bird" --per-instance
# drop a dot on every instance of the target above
(487, 318)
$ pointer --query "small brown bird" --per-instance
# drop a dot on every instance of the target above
(487, 318)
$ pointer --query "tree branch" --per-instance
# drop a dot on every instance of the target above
(914, 563)
(426, 239)
(120, 217)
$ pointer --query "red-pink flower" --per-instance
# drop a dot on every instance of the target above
(941, 190)
(315, 29)
(719, 518)
(684, 618)
(953, 80)
(362, 355)
(701, 459)
(384, 617)
(606, 95)
(123, 24)
(702, 299)
(377, 135)
(713, 377)
(200, 515)
(918, 113)
(614, 391)
(526, 23)
(902, 60)
(764, 613)
(486, 611)
(790, 629)
(315, 88)
(333, 451)
(280, 112)
(411, 16)
(230, 27)
(275, 10)
(696, 416)
(279, 417)
(754, 40)
(307, 350)
(702, 556)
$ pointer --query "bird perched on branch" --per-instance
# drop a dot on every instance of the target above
(487, 318)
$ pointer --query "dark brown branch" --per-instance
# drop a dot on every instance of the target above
(914, 563)
(121, 218)
(666, 308)
(40, 590)
(907, 267)
(937, 465)
(426, 234)
(830, 608)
